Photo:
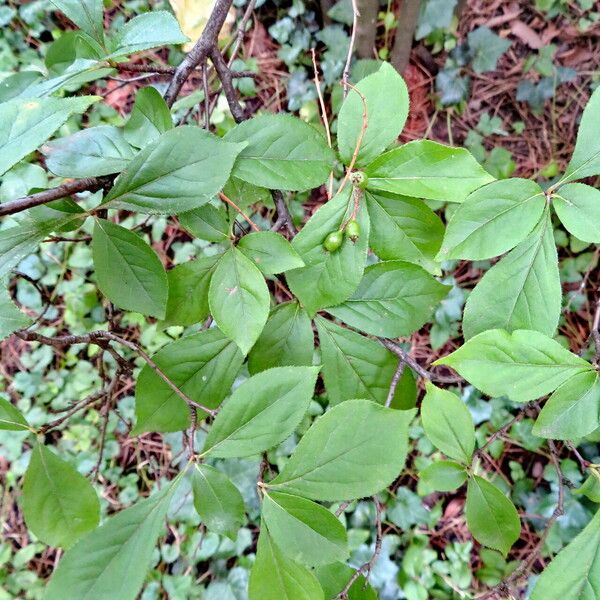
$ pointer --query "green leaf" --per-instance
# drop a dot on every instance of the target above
(354, 450)
(590, 488)
(18, 242)
(386, 97)
(10, 418)
(493, 219)
(183, 169)
(189, 282)
(524, 365)
(448, 423)
(239, 299)
(59, 504)
(89, 153)
(112, 561)
(283, 153)
(206, 223)
(128, 270)
(442, 476)
(491, 517)
(286, 340)
(574, 574)
(573, 410)
(148, 30)
(586, 156)
(276, 577)
(405, 229)
(425, 169)
(329, 277)
(150, 117)
(11, 318)
(522, 291)
(486, 48)
(305, 531)
(26, 124)
(262, 412)
(217, 501)
(334, 578)
(354, 366)
(270, 252)
(203, 366)
(393, 299)
(88, 15)
(578, 207)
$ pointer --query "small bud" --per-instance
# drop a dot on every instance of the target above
(333, 241)
(353, 230)
(359, 179)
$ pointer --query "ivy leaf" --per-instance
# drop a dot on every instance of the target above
(276, 577)
(203, 366)
(262, 412)
(59, 504)
(586, 156)
(217, 501)
(386, 97)
(425, 169)
(26, 124)
(354, 450)
(148, 30)
(574, 574)
(182, 169)
(283, 153)
(239, 299)
(88, 15)
(578, 207)
(270, 252)
(128, 271)
(299, 526)
(448, 423)
(329, 277)
(493, 219)
(89, 153)
(10, 418)
(393, 299)
(403, 228)
(522, 291)
(11, 318)
(206, 223)
(442, 476)
(286, 340)
(524, 365)
(486, 48)
(112, 561)
(188, 284)
(573, 411)
(354, 366)
(150, 117)
(491, 517)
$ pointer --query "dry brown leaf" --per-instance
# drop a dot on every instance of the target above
(526, 34)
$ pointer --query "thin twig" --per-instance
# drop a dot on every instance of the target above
(224, 75)
(394, 382)
(366, 568)
(361, 135)
(239, 210)
(346, 73)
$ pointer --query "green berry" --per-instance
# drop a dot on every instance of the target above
(359, 179)
(353, 230)
(333, 241)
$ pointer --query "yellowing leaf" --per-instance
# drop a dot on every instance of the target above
(193, 15)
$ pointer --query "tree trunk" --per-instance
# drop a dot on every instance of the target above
(407, 23)
(366, 28)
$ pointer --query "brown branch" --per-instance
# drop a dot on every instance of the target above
(231, 203)
(200, 51)
(283, 214)
(366, 568)
(224, 75)
(74, 186)
(101, 338)
(405, 32)
(394, 383)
